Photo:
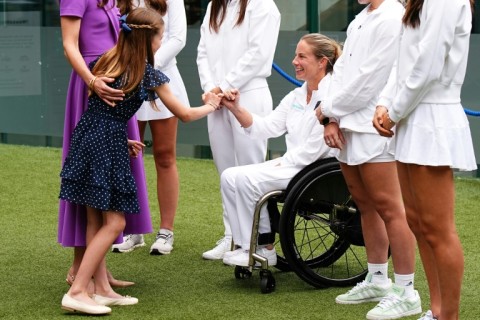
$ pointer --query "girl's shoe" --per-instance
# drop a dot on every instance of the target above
(74, 305)
(122, 301)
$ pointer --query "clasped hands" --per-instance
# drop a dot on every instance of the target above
(382, 122)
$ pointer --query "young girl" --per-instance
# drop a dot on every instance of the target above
(96, 172)
(163, 124)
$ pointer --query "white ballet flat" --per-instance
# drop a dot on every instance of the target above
(74, 305)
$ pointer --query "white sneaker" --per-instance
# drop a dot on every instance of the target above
(243, 257)
(365, 291)
(427, 316)
(163, 243)
(229, 254)
(396, 305)
(223, 245)
(130, 242)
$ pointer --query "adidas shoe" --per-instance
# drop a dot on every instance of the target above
(130, 243)
(427, 316)
(396, 305)
(223, 245)
(365, 291)
(163, 243)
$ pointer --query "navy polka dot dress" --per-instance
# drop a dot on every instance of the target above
(96, 172)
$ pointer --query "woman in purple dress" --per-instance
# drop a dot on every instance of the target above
(89, 28)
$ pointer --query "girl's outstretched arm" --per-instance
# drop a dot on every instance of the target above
(185, 114)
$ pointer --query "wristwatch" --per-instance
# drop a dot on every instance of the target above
(325, 121)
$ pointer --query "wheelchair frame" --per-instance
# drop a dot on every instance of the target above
(319, 230)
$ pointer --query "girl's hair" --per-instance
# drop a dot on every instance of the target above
(126, 6)
(323, 47)
(127, 58)
(219, 10)
(411, 18)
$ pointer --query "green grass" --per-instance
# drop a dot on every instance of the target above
(33, 265)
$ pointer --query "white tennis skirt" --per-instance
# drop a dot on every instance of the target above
(436, 135)
(146, 112)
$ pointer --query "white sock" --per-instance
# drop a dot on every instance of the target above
(379, 272)
(405, 281)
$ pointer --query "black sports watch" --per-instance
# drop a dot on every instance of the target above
(325, 121)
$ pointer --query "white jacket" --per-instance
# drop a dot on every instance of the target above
(304, 134)
(239, 56)
(432, 59)
(174, 35)
(364, 67)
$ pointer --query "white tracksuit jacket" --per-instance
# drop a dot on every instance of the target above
(364, 67)
(242, 186)
(432, 60)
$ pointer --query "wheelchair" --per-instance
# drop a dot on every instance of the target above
(316, 230)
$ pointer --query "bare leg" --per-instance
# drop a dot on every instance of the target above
(432, 218)
(384, 221)
(164, 133)
(101, 232)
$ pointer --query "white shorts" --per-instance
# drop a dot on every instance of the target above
(365, 148)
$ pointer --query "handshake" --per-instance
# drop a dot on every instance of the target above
(218, 99)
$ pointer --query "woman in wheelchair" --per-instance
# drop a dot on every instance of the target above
(242, 186)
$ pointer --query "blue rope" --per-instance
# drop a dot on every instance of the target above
(286, 75)
(299, 84)
(472, 112)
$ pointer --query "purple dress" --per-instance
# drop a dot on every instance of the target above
(98, 33)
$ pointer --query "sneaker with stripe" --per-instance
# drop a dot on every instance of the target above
(427, 316)
(365, 291)
(163, 243)
(396, 305)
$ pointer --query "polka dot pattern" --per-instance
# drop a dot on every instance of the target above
(96, 172)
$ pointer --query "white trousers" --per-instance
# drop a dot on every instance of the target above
(243, 186)
(230, 146)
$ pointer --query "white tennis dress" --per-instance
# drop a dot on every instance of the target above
(173, 41)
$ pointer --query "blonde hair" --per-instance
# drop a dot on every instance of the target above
(323, 47)
(127, 58)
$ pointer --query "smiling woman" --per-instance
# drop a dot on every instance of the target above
(315, 55)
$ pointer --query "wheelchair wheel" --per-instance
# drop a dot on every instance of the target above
(320, 229)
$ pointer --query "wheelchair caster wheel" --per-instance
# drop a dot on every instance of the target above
(267, 281)
(242, 273)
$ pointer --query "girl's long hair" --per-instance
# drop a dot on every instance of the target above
(411, 18)
(219, 10)
(127, 58)
(126, 6)
(323, 47)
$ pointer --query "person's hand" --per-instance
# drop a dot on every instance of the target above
(212, 99)
(108, 94)
(134, 148)
(231, 99)
(333, 136)
(382, 122)
(216, 90)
